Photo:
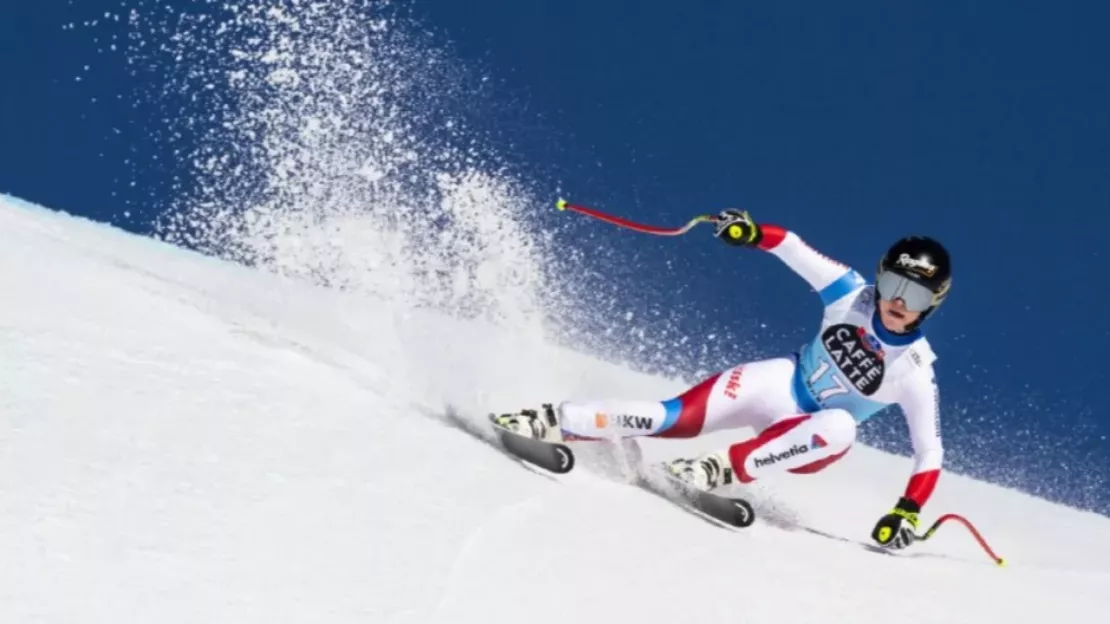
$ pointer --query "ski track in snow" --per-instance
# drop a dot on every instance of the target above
(187, 440)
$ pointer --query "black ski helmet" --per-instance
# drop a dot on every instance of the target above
(922, 260)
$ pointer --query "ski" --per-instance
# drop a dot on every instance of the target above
(734, 512)
(551, 456)
(626, 464)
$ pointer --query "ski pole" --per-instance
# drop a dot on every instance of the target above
(970, 527)
(562, 204)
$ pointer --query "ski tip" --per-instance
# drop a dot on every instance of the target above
(565, 459)
(551, 456)
(561, 204)
(744, 514)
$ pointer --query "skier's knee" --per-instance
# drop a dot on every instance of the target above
(685, 413)
(838, 425)
(835, 432)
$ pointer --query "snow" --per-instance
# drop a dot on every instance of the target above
(188, 440)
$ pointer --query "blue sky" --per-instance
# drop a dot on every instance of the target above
(851, 123)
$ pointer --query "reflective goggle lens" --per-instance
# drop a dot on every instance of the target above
(891, 286)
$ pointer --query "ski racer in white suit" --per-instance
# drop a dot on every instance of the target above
(869, 353)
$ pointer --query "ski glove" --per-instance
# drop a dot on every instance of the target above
(896, 529)
(736, 227)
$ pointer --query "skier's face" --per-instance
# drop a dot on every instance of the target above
(895, 316)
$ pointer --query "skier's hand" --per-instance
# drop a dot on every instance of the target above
(897, 529)
(736, 227)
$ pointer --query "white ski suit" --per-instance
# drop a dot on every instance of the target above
(805, 406)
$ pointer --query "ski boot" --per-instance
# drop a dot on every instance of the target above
(706, 472)
(541, 425)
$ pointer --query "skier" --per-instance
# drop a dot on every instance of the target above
(869, 353)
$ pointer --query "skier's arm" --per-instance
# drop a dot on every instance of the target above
(921, 406)
(831, 279)
(897, 528)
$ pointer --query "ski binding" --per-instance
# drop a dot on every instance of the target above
(552, 456)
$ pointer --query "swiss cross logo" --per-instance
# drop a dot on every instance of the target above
(732, 386)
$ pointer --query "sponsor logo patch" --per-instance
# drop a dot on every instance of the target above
(871, 343)
(921, 265)
(634, 422)
(772, 458)
(936, 406)
(732, 386)
(627, 421)
(857, 354)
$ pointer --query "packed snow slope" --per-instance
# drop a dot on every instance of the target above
(188, 440)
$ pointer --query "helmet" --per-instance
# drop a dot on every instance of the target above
(917, 270)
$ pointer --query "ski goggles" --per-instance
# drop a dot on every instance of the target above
(891, 286)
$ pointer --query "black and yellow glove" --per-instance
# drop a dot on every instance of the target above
(736, 227)
(898, 528)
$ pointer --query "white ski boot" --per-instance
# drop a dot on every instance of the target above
(541, 425)
(706, 472)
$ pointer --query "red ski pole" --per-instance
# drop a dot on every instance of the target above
(562, 204)
(970, 527)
